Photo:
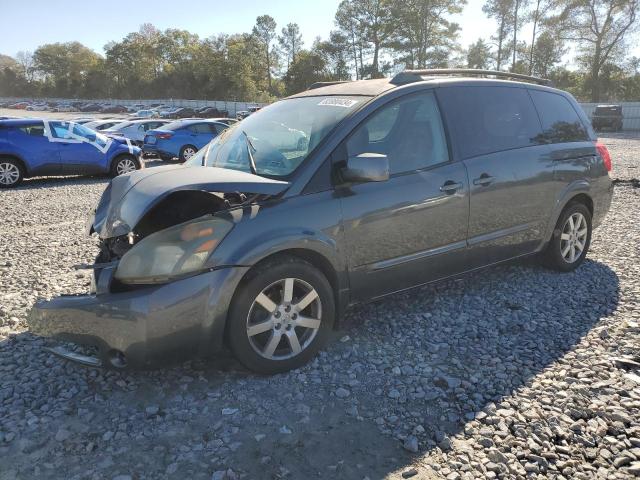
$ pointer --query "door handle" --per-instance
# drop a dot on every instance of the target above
(450, 187)
(484, 180)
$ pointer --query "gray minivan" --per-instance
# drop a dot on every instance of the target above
(260, 242)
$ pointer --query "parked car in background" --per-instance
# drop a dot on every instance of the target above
(31, 147)
(259, 249)
(607, 117)
(38, 107)
(180, 112)
(19, 105)
(181, 139)
(146, 114)
(113, 109)
(102, 124)
(211, 112)
(89, 107)
(135, 130)
(226, 121)
(242, 114)
(64, 107)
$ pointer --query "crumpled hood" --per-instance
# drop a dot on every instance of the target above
(129, 197)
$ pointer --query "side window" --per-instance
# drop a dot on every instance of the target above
(409, 131)
(59, 129)
(560, 122)
(217, 128)
(33, 130)
(199, 128)
(490, 119)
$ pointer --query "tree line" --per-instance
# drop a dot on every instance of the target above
(370, 39)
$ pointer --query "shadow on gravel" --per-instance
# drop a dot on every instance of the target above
(415, 366)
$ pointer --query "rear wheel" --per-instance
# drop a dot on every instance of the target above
(281, 316)
(124, 164)
(187, 152)
(571, 238)
(11, 173)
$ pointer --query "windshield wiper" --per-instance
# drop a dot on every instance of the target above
(252, 162)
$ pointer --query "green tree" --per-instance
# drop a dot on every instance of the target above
(599, 29)
(373, 28)
(265, 32)
(290, 42)
(502, 12)
(423, 34)
(479, 55)
(64, 66)
(334, 51)
(307, 68)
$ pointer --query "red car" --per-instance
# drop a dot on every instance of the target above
(20, 105)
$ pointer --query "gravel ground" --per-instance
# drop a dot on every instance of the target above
(513, 372)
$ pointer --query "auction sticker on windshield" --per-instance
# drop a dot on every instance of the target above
(339, 102)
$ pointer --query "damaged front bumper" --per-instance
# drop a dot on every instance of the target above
(143, 327)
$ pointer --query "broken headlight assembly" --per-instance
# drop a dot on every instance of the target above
(172, 253)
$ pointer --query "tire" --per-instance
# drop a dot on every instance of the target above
(563, 251)
(280, 343)
(11, 173)
(187, 152)
(124, 164)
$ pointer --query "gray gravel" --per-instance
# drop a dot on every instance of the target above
(513, 372)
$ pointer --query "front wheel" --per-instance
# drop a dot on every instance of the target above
(124, 164)
(571, 238)
(281, 316)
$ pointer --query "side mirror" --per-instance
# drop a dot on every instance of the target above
(366, 167)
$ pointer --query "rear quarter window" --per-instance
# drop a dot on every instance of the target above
(560, 121)
(33, 130)
(486, 120)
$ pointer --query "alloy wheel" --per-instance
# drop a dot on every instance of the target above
(188, 153)
(125, 165)
(573, 238)
(9, 173)
(284, 319)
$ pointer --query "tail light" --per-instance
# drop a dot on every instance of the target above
(604, 153)
(163, 135)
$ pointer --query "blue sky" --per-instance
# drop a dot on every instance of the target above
(26, 25)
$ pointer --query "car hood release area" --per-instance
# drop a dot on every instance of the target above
(129, 198)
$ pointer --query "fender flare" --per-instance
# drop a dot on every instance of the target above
(25, 165)
(578, 187)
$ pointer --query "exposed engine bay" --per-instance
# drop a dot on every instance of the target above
(176, 208)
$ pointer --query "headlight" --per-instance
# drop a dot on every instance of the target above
(172, 252)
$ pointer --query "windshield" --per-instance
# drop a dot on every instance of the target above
(278, 138)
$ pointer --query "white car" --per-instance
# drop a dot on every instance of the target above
(146, 114)
(64, 108)
(103, 124)
(285, 137)
(135, 130)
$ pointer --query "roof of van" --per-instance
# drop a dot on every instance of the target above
(377, 86)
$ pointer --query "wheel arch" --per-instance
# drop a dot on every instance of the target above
(319, 261)
(119, 155)
(17, 158)
(576, 193)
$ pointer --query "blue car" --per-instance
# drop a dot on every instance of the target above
(32, 147)
(181, 139)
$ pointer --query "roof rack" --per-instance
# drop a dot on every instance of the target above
(315, 85)
(409, 76)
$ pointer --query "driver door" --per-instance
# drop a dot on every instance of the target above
(412, 228)
(81, 152)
